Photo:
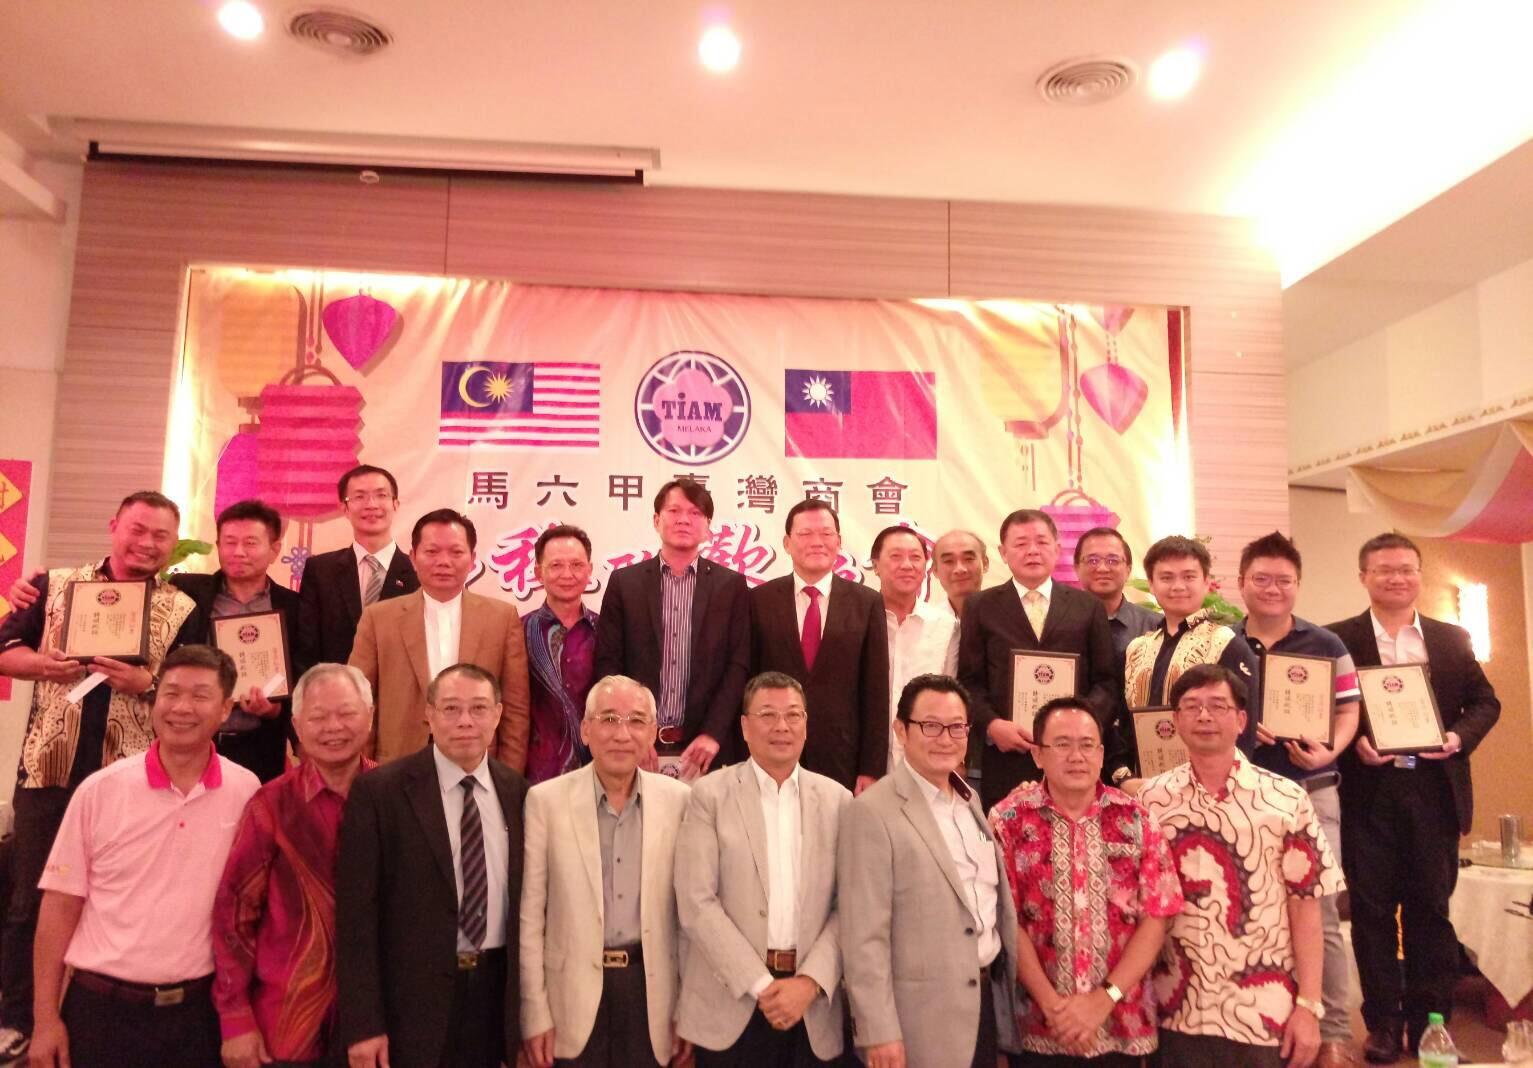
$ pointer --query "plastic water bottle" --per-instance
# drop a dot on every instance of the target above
(1436, 1049)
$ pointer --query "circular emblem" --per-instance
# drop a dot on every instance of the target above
(1393, 684)
(249, 633)
(108, 597)
(692, 408)
(1043, 674)
(1164, 730)
(1298, 674)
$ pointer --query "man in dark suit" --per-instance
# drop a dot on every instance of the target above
(679, 625)
(337, 585)
(1031, 613)
(427, 893)
(1401, 816)
(830, 635)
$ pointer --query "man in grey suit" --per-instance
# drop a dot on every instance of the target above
(756, 892)
(928, 930)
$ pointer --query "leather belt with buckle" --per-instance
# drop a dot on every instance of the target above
(468, 961)
(614, 958)
(159, 995)
(782, 960)
(1322, 781)
(668, 735)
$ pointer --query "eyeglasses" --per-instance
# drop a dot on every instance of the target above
(1282, 582)
(1064, 747)
(1213, 708)
(791, 718)
(454, 712)
(1395, 572)
(825, 534)
(933, 729)
(611, 721)
(1108, 562)
(375, 497)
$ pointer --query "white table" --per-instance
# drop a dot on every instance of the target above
(1502, 944)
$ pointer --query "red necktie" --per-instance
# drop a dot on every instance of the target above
(809, 640)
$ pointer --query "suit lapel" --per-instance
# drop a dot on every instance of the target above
(412, 632)
(747, 794)
(787, 611)
(1059, 608)
(581, 805)
(351, 585)
(919, 813)
(1367, 644)
(1016, 616)
(470, 629)
(425, 794)
(811, 811)
(701, 588)
(651, 590)
(396, 581)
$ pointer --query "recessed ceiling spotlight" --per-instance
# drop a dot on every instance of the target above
(1173, 75)
(719, 49)
(242, 19)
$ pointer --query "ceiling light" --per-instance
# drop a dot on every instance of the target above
(242, 19)
(719, 49)
(1173, 75)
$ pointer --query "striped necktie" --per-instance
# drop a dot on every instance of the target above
(473, 909)
(374, 581)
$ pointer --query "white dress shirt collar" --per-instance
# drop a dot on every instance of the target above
(1380, 632)
(1046, 587)
(450, 776)
(823, 585)
(384, 556)
(769, 784)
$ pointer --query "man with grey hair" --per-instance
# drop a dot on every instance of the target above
(601, 993)
(276, 902)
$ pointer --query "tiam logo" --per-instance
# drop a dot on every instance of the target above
(692, 407)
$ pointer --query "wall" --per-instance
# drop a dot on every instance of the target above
(1328, 536)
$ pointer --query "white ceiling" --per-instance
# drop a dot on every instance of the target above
(1340, 116)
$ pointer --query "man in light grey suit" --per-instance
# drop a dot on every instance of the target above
(599, 940)
(928, 930)
(756, 893)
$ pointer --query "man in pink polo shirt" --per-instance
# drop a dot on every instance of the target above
(128, 889)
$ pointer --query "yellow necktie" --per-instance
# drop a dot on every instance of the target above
(1036, 608)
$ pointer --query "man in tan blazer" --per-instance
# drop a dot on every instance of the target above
(599, 938)
(927, 925)
(405, 642)
(756, 893)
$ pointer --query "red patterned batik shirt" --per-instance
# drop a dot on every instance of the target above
(1081, 888)
(1228, 965)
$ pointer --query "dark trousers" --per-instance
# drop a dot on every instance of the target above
(476, 1027)
(38, 815)
(1050, 1060)
(262, 750)
(620, 1035)
(986, 1043)
(761, 1045)
(1206, 1051)
(108, 1032)
(1400, 851)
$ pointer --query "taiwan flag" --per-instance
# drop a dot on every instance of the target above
(876, 415)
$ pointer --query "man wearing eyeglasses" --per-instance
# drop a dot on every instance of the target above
(598, 916)
(1094, 885)
(1401, 816)
(335, 586)
(1103, 561)
(1270, 568)
(928, 930)
(1239, 981)
(756, 892)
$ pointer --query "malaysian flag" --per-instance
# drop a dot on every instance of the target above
(520, 405)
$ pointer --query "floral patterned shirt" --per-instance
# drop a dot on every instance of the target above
(1227, 968)
(1081, 888)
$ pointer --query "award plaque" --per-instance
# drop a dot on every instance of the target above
(1400, 708)
(1299, 696)
(1156, 742)
(109, 619)
(1037, 677)
(257, 642)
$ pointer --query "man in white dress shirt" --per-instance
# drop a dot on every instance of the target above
(923, 639)
(756, 892)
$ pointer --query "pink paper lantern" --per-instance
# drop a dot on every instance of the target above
(358, 326)
(1074, 513)
(309, 437)
(238, 469)
(1115, 393)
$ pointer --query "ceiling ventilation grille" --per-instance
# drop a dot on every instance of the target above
(339, 32)
(1087, 81)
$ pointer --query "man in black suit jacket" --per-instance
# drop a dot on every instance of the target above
(831, 635)
(1003, 619)
(1401, 816)
(333, 591)
(694, 659)
(428, 892)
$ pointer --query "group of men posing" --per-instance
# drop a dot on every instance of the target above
(813, 878)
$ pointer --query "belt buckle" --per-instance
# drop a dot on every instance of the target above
(614, 958)
(173, 996)
(467, 962)
(781, 960)
(1406, 762)
(669, 735)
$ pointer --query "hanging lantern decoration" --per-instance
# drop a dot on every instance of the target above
(238, 468)
(358, 326)
(1115, 392)
(309, 437)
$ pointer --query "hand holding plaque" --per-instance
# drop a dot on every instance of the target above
(1036, 678)
(1400, 709)
(1299, 697)
(108, 619)
(257, 642)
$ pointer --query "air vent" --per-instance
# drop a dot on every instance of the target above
(337, 31)
(1087, 81)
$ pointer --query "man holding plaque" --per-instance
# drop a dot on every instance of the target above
(1401, 815)
(73, 730)
(1310, 715)
(1009, 650)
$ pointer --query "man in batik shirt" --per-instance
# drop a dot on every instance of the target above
(1093, 884)
(561, 653)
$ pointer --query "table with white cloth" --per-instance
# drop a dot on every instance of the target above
(1491, 914)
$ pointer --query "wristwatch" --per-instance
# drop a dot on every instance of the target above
(1113, 992)
(1121, 776)
(1316, 1009)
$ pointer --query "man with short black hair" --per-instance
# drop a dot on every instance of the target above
(129, 888)
(336, 586)
(678, 623)
(1103, 562)
(1401, 817)
(403, 641)
(561, 652)
(923, 640)
(832, 636)
(68, 737)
